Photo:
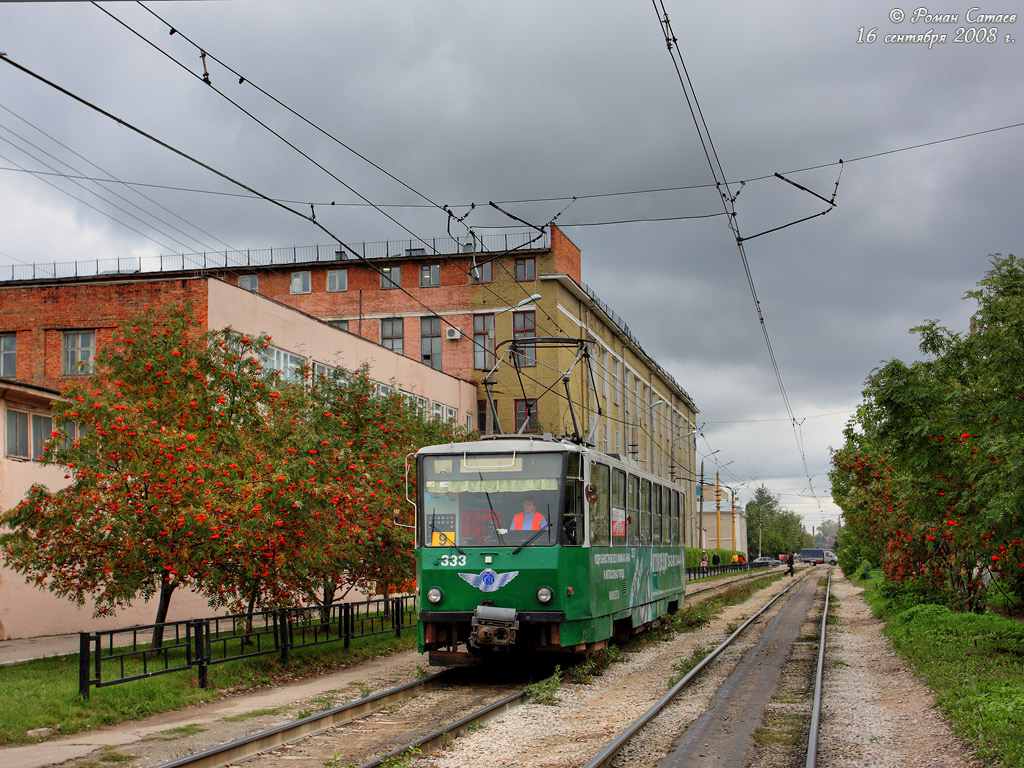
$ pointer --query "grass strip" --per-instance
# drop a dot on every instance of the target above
(975, 665)
(44, 693)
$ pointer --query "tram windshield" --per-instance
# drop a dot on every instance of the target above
(487, 500)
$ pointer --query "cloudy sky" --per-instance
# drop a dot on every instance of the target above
(530, 104)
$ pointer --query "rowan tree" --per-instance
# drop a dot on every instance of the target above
(929, 473)
(149, 440)
(195, 465)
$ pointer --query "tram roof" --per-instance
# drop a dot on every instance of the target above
(506, 444)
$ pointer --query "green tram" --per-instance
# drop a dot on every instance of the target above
(527, 543)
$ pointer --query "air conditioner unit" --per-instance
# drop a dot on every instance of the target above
(452, 333)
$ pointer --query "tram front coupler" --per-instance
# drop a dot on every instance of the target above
(493, 627)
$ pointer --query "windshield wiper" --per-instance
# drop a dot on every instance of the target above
(530, 540)
(444, 535)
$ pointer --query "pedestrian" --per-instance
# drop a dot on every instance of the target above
(704, 562)
(715, 560)
(789, 564)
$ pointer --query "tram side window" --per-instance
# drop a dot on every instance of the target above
(645, 513)
(656, 514)
(633, 509)
(572, 515)
(618, 508)
(599, 514)
(674, 502)
(676, 499)
(666, 516)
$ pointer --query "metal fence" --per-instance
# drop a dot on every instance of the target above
(115, 656)
(263, 257)
(718, 570)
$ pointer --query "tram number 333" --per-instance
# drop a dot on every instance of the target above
(453, 561)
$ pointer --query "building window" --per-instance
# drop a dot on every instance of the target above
(483, 342)
(289, 365)
(392, 334)
(524, 326)
(42, 426)
(73, 432)
(301, 282)
(616, 397)
(391, 277)
(341, 324)
(481, 415)
(8, 355)
(26, 433)
(481, 273)
(337, 280)
(322, 369)
(79, 352)
(525, 269)
(17, 434)
(430, 275)
(249, 282)
(522, 417)
(430, 341)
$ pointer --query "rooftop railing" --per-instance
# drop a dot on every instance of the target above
(485, 246)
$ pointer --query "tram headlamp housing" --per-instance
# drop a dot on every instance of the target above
(435, 595)
(544, 595)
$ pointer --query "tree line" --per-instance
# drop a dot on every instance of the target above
(194, 466)
(930, 474)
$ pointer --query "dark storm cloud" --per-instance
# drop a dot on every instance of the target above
(469, 102)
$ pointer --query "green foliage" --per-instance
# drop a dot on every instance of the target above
(779, 530)
(546, 691)
(862, 570)
(928, 477)
(681, 667)
(403, 760)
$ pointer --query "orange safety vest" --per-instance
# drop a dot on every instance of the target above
(536, 523)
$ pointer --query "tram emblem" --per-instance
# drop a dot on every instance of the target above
(487, 580)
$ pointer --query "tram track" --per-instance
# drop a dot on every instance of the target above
(420, 715)
(685, 749)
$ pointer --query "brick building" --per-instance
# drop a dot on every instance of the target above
(407, 307)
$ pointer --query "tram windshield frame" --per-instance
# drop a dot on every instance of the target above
(480, 499)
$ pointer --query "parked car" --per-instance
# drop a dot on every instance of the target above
(769, 562)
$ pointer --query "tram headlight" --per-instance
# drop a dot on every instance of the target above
(435, 595)
(544, 595)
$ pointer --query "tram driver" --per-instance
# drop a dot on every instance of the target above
(530, 519)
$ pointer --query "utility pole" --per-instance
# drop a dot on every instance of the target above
(701, 524)
(734, 520)
(718, 511)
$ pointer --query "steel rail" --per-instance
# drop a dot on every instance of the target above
(605, 756)
(444, 734)
(812, 744)
(249, 746)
